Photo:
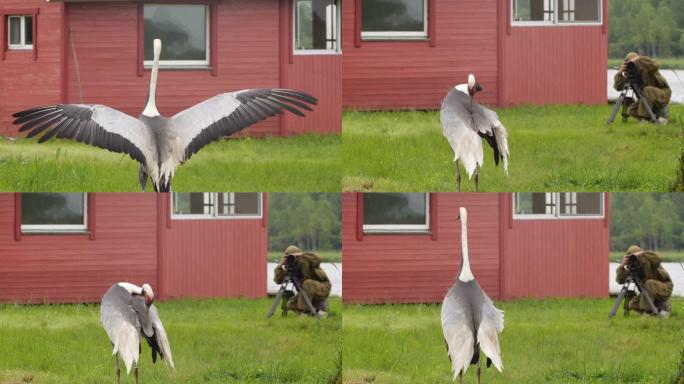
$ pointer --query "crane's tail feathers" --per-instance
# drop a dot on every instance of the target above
(160, 334)
(127, 345)
(501, 135)
(487, 335)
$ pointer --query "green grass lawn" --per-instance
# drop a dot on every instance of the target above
(301, 163)
(544, 341)
(213, 341)
(553, 148)
(667, 256)
(326, 256)
(665, 62)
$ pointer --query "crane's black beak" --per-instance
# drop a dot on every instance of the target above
(478, 87)
(458, 217)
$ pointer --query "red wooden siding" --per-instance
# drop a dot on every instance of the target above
(25, 80)
(510, 258)
(416, 268)
(214, 258)
(74, 268)
(412, 74)
(555, 258)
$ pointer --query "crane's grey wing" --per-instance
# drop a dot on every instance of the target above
(491, 324)
(459, 129)
(164, 349)
(228, 113)
(121, 323)
(458, 330)
(96, 125)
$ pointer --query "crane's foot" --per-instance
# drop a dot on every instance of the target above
(478, 372)
(136, 373)
(118, 370)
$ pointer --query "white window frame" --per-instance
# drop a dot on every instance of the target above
(399, 35)
(402, 228)
(338, 34)
(185, 63)
(557, 215)
(22, 46)
(214, 215)
(59, 228)
(555, 22)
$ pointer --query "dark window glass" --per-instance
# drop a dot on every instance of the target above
(181, 28)
(393, 15)
(578, 10)
(537, 203)
(192, 203)
(395, 208)
(316, 24)
(533, 10)
(15, 30)
(577, 204)
(29, 30)
(52, 209)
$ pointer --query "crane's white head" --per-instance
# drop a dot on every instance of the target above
(473, 86)
(147, 292)
(466, 274)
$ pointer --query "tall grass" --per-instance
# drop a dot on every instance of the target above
(213, 341)
(297, 164)
(553, 148)
(544, 341)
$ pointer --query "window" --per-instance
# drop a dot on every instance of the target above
(394, 19)
(53, 212)
(552, 12)
(549, 205)
(396, 212)
(213, 205)
(184, 32)
(20, 32)
(316, 26)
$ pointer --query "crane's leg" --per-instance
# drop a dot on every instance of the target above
(478, 372)
(142, 177)
(458, 176)
(135, 371)
(118, 370)
(477, 178)
(460, 377)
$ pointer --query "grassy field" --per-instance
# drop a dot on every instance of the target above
(665, 62)
(667, 256)
(544, 341)
(553, 148)
(302, 163)
(213, 341)
(327, 256)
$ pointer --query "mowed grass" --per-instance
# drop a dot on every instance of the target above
(553, 148)
(213, 341)
(326, 256)
(667, 256)
(301, 163)
(544, 341)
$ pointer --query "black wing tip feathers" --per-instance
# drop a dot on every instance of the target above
(29, 111)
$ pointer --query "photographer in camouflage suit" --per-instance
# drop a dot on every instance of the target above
(314, 280)
(656, 280)
(654, 87)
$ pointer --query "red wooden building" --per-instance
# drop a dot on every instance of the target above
(407, 247)
(73, 51)
(409, 53)
(72, 247)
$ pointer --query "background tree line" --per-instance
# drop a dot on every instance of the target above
(651, 27)
(311, 221)
(651, 220)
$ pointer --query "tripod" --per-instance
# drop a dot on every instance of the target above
(626, 96)
(286, 291)
(626, 293)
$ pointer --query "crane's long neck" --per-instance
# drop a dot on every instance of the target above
(151, 107)
(466, 274)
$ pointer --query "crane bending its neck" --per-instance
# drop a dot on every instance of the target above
(466, 274)
(151, 107)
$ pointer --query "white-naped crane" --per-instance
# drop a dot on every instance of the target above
(161, 144)
(127, 312)
(465, 123)
(470, 321)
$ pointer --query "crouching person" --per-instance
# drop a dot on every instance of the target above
(314, 281)
(656, 280)
(654, 87)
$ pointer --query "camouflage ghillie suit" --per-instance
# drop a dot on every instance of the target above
(314, 280)
(653, 85)
(657, 281)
